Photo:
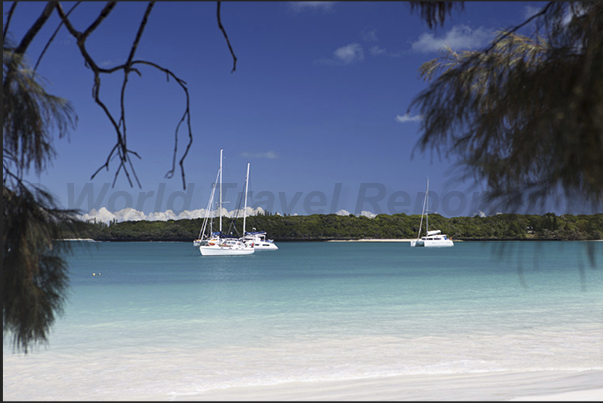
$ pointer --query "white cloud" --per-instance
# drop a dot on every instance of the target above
(376, 50)
(369, 36)
(299, 6)
(269, 155)
(407, 118)
(130, 214)
(102, 215)
(349, 53)
(458, 38)
(199, 213)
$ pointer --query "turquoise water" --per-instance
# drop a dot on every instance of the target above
(159, 319)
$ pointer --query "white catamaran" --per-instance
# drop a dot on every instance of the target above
(433, 238)
(217, 243)
(257, 237)
(259, 240)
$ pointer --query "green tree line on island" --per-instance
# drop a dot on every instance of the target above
(322, 227)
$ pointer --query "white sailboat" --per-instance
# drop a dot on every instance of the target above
(258, 238)
(434, 238)
(217, 243)
(201, 239)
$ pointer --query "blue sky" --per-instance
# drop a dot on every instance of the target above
(317, 104)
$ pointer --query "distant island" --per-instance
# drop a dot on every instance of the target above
(328, 227)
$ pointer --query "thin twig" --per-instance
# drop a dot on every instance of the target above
(186, 115)
(234, 65)
(127, 68)
(106, 165)
(8, 18)
(56, 31)
(120, 149)
(517, 27)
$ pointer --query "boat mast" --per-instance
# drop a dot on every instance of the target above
(220, 198)
(245, 208)
(427, 209)
(422, 214)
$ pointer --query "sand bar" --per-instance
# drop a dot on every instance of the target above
(372, 240)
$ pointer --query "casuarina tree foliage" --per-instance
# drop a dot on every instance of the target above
(524, 115)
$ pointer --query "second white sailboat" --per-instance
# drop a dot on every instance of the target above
(433, 238)
(217, 243)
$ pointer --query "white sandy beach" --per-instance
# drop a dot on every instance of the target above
(379, 240)
(529, 386)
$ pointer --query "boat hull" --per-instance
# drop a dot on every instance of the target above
(440, 243)
(263, 247)
(260, 242)
(225, 251)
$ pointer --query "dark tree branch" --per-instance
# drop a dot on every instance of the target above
(143, 23)
(35, 28)
(103, 14)
(106, 164)
(53, 35)
(8, 18)
(120, 149)
(186, 116)
(234, 58)
(27, 38)
(127, 68)
(77, 35)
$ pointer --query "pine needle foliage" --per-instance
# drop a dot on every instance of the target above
(34, 271)
(526, 114)
(434, 12)
(30, 115)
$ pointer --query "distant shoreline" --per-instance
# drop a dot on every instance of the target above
(399, 240)
(381, 228)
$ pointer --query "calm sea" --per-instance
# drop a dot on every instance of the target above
(160, 320)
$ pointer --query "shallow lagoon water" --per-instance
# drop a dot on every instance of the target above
(158, 320)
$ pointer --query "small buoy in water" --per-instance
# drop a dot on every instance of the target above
(94, 274)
